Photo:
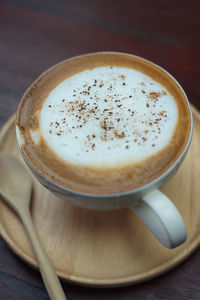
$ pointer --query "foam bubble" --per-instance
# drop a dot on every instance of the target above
(108, 116)
(19, 136)
(35, 136)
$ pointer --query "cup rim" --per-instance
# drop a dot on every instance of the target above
(140, 189)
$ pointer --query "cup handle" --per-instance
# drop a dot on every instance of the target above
(162, 218)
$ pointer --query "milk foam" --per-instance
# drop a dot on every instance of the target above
(108, 116)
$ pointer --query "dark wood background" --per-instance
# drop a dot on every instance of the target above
(35, 34)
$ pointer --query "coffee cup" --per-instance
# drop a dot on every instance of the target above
(106, 131)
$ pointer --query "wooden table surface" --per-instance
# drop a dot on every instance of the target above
(36, 34)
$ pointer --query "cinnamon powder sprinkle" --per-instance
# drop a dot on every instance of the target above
(120, 135)
(156, 95)
(110, 116)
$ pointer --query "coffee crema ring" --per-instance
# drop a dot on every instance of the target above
(103, 123)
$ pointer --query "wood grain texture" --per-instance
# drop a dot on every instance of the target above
(36, 34)
(104, 248)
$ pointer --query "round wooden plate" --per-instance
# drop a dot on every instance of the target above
(104, 248)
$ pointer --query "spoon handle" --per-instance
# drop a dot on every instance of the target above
(49, 275)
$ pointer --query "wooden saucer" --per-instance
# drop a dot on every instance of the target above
(104, 248)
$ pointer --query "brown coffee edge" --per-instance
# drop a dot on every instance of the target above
(94, 178)
(87, 179)
(47, 81)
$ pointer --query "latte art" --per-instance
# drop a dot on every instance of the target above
(108, 117)
(103, 123)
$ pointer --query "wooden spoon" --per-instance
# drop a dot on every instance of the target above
(15, 189)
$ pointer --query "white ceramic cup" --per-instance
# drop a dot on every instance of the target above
(154, 208)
